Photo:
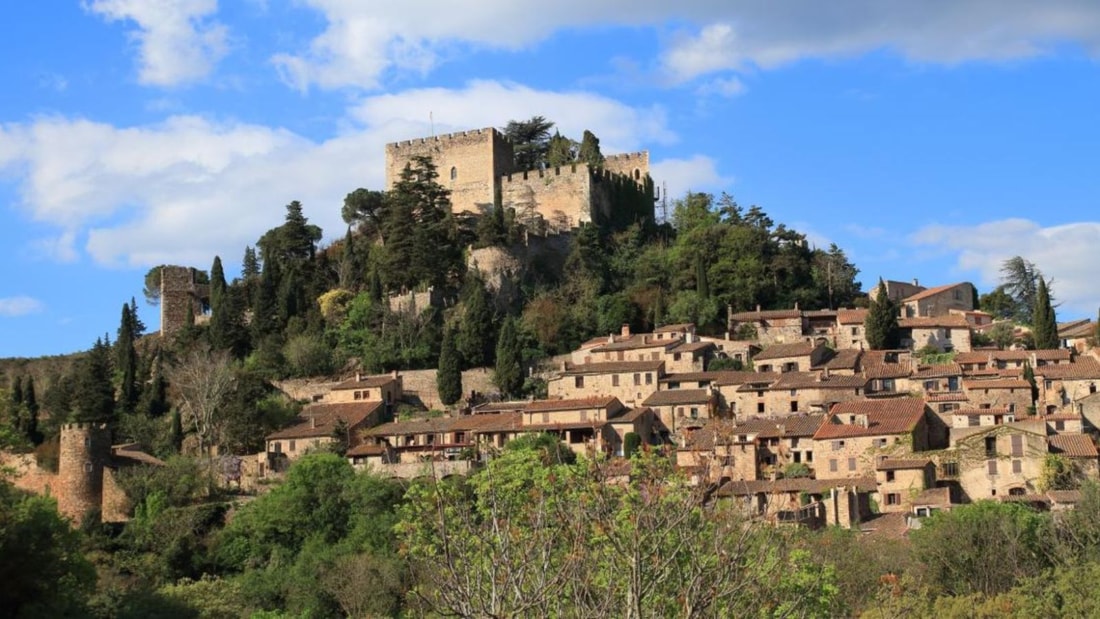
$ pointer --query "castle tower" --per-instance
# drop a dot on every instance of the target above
(84, 451)
(469, 163)
(178, 290)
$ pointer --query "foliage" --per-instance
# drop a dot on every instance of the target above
(1044, 326)
(448, 378)
(476, 331)
(203, 379)
(508, 373)
(530, 141)
(1020, 282)
(632, 442)
(1058, 473)
(308, 355)
(881, 324)
(796, 469)
(93, 391)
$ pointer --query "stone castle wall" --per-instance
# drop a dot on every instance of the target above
(561, 196)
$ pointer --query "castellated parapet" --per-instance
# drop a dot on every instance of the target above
(179, 290)
(478, 168)
(84, 450)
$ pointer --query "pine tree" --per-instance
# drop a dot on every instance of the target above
(590, 150)
(17, 391)
(94, 395)
(1044, 328)
(508, 374)
(881, 324)
(30, 406)
(448, 378)
(138, 325)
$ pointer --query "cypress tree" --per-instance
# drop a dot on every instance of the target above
(448, 378)
(1029, 376)
(127, 363)
(17, 391)
(475, 337)
(94, 395)
(138, 325)
(1044, 327)
(702, 286)
(881, 325)
(217, 285)
(30, 405)
(508, 374)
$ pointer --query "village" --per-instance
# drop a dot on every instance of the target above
(814, 429)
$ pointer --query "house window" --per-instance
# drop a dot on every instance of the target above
(694, 413)
(890, 475)
(87, 467)
(358, 395)
(950, 469)
(293, 446)
(1017, 445)
(278, 447)
(614, 380)
(584, 415)
(1046, 384)
(855, 331)
(929, 385)
(648, 378)
(1017, 466)
(759, 394)
(973, 420)
(676, 356)
(809, 456)
(851, 464)
(838, 445)
(879, 443)
(546, 417)
(832, 465)
(680, 411)
(947, 334)
(1059, 426)
(992, 465)
(759, 407)
(893, 498)
(578, 382)
(637, 379)
(991, 446)
(454, 173)
(794, 406)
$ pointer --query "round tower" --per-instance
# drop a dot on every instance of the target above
(83, 452)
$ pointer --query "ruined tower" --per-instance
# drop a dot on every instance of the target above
(179, 290)
(85, 448)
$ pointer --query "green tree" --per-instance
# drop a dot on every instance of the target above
(530, 141)
(1044, 327)
(476, 333)
(881, 324)
(561, 151)
(448, 378)
(126, 362)
(589, 151)
(93, 393)
(508, 374)
(1021, 279)
(218, 285)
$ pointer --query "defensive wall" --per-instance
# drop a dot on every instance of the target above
(179, 292)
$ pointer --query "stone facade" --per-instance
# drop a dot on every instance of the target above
(84, 450)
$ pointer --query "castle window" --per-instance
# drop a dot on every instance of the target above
(637, 174)
(87, 442)
(87, 467)
(454, 173)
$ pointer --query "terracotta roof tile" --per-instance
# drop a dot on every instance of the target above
(792, 426)
(795, 484)
(957, 396)
(782, 351)
(944, 370)
(364, 382)
(641, 340)
(901, 464)
(884, 417)
(951, 321)
(679, 327)
(995, 383)
(765, 315)
(814, 380)
(320, 419)
(844, 359)
(613, 367)
(924, 294)
(539, 406)
(1082, 369)
(851, 316)
(678, 396)
(1073, 445)
(742, 378)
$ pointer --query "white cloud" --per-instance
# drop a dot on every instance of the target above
(176, 40)
(1062, 252)
(362, 41)
(11, 307)
(187, 188)
(699, 173)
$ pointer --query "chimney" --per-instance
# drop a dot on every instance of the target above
(312, 422)
(358, 377)
(626, 330)
(758, 308)
(394, 374)
(796, 305)
(915, 282)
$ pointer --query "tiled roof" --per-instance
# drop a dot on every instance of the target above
(679, 327)
(1073, 445)
(564, 425)
(1076, 329)
(944, 370)
(741, 378)
(692, 347)
(320, 419)
(631, 415)
(1082, 369)
(366, 449)
(1064, 496)
(613, 367)
(823, 313)
(902, 464)
(500, 407)
(365, 381)
(924, 294)
(1053, 354)
(940, 497)
(435, 425)
(691, 377)
(539, 406)
(931, 322)
(995, 383)
(634, 342)
(678, 396)
(782, 351)
(814, 380)
(874, 364)
(851, 316)
(844, 359)
(884, 417)
(716, 431)
(792, 426)
(978, 412)
(133, 453)
(765, 315)
(972, 357)
(957, 396)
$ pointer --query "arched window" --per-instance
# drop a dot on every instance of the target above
(637, 174)
(454, 173)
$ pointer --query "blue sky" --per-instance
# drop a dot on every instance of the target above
(928, 140)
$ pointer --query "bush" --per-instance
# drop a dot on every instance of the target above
(308, 355)
(796, 469)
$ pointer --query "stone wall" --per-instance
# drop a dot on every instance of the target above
(116, 505)
(178, 291)
(561, 196)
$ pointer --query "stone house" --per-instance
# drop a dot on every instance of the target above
(583, 423)
(746, 393)
(938, 301)
(945, 333)
(442, 438)
(933, 380)
(1079, 449)
(850, 332)
(989, 462)
(770, 326)
(690, 356)
(315, 428)
(1088, 408)
(629, 381)
(699, 380)
(980, 417)
(385, 388)
(887, 371)
(820, 325)
(717, 452)
(897, 291)
(856, 434)
(683, 410)
(901, 481)
(737, 350)
(630, 347)
(844, 362)
(1013, 394)
(1068, 422)
(831, 502)
(1077, 334)
(1061, 385)
(781, 442)
(793, 357)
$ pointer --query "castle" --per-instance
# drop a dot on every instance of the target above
(478, 168)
